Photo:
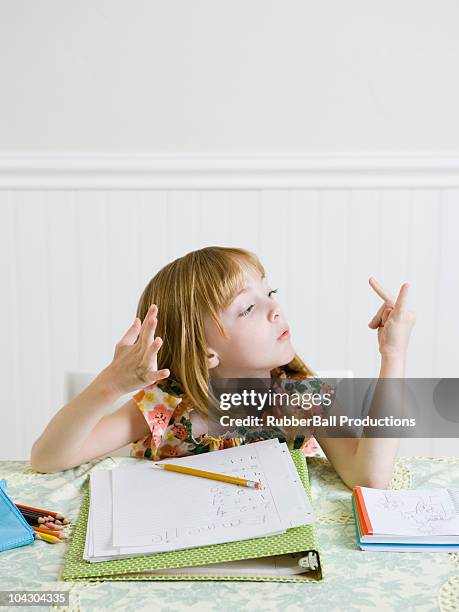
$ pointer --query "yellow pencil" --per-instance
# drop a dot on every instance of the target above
(48, 538)
(212, 475)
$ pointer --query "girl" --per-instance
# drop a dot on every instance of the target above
(210, 313)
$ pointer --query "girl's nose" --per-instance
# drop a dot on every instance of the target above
(274, 313)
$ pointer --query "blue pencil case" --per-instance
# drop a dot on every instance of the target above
(14, 529)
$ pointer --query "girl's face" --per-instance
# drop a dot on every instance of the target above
(255, 326)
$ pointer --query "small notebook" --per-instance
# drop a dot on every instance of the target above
(290, 555)
(406, 520)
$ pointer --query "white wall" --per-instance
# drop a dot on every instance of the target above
(80, 238)
(144, 75)
(73, 265)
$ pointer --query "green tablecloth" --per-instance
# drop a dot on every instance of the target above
(355, 580)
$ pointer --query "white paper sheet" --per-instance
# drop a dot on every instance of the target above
(135, 510)
(172, 511)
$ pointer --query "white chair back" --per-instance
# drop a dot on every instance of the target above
(338, 374)
(74, 384)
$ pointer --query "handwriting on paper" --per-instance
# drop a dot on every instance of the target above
(229, 506)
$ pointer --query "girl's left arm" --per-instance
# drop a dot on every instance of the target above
(370, 461)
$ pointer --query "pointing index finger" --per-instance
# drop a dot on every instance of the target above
(400, 304)
(380, 291)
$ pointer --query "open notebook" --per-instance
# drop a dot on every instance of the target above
(416, 520)
(199, 529)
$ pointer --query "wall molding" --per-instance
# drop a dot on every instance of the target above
(45, 171)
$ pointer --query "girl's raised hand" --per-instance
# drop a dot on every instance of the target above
(134, 364)
(393, 321)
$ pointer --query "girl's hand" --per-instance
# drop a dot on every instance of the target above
(134, 365)
(393, 321)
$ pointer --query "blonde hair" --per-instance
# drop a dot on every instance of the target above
(201, 282)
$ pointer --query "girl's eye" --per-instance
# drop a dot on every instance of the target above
(245, 312)
(248, 310)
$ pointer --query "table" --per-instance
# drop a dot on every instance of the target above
(355, 580)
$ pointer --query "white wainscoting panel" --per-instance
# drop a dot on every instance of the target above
(74, 262)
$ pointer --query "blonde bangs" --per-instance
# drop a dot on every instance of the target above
(220, 277)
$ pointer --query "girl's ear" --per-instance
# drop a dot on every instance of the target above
(213, 359)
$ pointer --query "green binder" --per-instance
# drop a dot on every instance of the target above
(297, 546)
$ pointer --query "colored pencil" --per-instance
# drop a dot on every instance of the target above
(56, 515)
(182, 469)
(35, 518)
(38, 514)
(33, 521)
(41, 517)
(47, 538)
(52, 526)
(50, 532)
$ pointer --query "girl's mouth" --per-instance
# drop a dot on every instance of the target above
(284, 335)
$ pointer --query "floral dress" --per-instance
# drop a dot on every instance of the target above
(167, 411)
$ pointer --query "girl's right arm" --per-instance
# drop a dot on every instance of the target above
(82, 430)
